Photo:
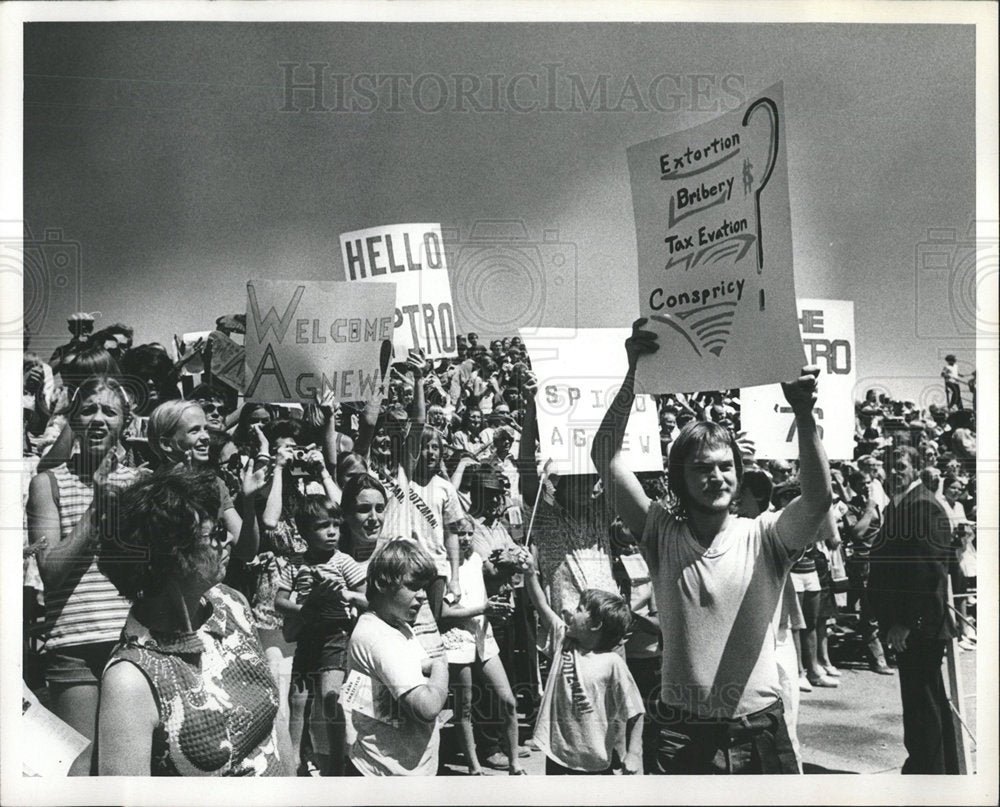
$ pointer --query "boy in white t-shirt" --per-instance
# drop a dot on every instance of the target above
(591, 715)
(394, 692)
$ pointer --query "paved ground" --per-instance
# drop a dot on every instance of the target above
(856, 728)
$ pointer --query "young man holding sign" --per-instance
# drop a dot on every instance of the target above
(718, 581)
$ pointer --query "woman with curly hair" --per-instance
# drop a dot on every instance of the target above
(187, 691)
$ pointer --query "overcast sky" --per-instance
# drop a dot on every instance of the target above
(163, 151)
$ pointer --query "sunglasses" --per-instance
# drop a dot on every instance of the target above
(219, 534)
(211, 408)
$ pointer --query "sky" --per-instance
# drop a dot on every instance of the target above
(164, 165)
(176, 164)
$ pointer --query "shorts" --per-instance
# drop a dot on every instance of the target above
(319, 653)
(805, 581)
(77, 664)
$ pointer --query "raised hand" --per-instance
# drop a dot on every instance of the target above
(416, 363)
(801, 393)
(326, 402)
(641, 342)
(253, 481)
(748, 448)
(263, 445)
(283, 456)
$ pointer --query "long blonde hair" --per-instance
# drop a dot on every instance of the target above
(164, 421)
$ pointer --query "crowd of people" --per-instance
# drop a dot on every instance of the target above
(220, 586)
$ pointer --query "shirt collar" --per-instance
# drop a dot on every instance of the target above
(183, 643)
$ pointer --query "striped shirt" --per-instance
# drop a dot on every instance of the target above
(85, 608)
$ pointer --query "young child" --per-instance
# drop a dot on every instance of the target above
(591, 710)
(394, 692)
(470, 646)
(326, 585)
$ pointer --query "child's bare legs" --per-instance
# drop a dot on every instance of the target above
(330, 685)
(496, 679)
(461, 687)
(822, 647)
(298, 700)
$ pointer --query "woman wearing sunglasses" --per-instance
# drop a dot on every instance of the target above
(187, 691)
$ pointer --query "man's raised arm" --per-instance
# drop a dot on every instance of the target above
(621, 486)
(799, 523)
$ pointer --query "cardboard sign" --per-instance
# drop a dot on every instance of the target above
(228, 360)
(828, 336)
(579, 372)
(50, 744)
(196, 364)
(303, 336)
(411, 256)
(715, 252)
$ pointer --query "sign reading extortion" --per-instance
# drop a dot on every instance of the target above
(304, 336)
(579, 372)
(412, 256)
(828, 336)
(715, 252)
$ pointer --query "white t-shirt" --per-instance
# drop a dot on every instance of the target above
(389, 741)
(588, 701)
(472, 636)
(717, 610)
(420, 513)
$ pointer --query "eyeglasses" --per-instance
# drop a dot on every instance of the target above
(219, 534)
(211, 408)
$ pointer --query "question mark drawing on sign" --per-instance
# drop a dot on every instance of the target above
(772, 156)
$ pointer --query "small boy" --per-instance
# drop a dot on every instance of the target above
(591, 711)
(326, 585)
(394, 692)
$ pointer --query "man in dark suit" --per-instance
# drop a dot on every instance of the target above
(909, 585)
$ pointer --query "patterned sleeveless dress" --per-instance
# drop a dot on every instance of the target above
(216, 697)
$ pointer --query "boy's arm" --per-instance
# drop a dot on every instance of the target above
(283, 603)
(632, 763)
(426, 701)
(549, 618)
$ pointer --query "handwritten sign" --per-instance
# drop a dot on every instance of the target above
(715, 252)
(828, 336)
(303, 336)
(579, 372)
(411, 256)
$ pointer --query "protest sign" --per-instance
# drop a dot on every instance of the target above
(828, 336)
(714, 240)
(228, 360)
(412, 256)
(50, 745)
(303, 336)
(188, 341)
(579, 372)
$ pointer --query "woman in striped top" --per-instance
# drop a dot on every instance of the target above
(84, 612)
